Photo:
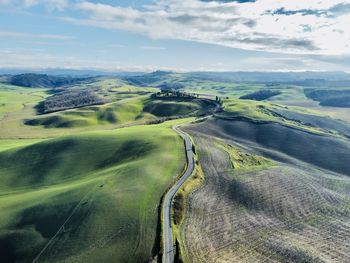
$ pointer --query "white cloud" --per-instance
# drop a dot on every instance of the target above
(153, 48)
(40, 59)
(288, 26)
(296, 63)
(21, 58)
(11, 34)
(50, 4)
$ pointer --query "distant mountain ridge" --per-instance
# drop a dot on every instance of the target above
(274, 76)
(307, 78)
(70, 72)
(175, 80)
(32, 80)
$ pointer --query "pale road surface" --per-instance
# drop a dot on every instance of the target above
(168, 244)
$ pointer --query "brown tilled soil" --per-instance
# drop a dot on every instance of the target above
(289, 213)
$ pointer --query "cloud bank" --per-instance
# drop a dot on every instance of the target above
(297, 26)
(50, 4)
(301, 34)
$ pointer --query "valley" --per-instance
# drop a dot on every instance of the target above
(87, 166)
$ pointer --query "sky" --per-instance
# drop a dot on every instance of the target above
(179, 35)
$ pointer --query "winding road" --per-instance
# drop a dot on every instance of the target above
(168, 244)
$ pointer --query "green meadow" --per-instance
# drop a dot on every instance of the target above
(85, 184)
(125, 105)
(86, 197)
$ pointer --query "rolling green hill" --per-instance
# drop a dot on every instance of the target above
(172, 106)
(111, 113)
(123, 105)
(139, 109)
(88, 197)
(81, 180)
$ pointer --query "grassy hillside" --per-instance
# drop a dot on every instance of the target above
(177, 106)
(15, 98)
(171, 108)
(131, 110)
(88, 197)
(243, 161)
(119, 112)
(124, 106)
(296, 117)
(67, 195)
(323, 122)
(81, 180)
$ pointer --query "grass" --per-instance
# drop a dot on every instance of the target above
(246, 108)
(16, 143)
(181, 211)
(75, 188)
(120, 112)
(18, 108)
(222, 89)
(289, 94)
(15, 98)
(129, 111)
(258, 111)
(130, 88)
(174, 107)
(107, 184)
(139, 109)
(243, 162)
(128, 105)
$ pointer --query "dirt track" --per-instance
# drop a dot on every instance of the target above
(285, 214)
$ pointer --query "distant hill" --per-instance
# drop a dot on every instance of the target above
(261, 95)
(32, 80)
(308, 78)
(273, 77)
(148, 79)
(71, 72)
(333, 98)
(174, 80)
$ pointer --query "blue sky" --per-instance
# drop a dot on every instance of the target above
(178, 35)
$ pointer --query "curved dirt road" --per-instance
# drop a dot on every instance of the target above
(168, 245)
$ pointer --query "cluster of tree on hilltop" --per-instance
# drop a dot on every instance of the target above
(219, 100)
(174, 93)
